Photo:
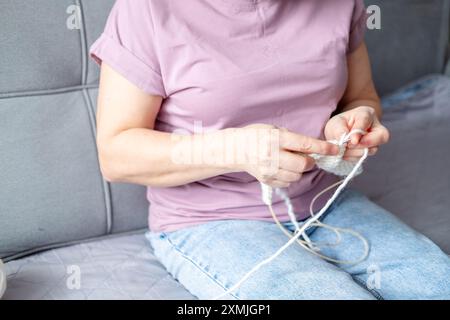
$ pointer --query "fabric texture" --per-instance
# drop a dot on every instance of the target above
(44, 197)
(38, 50)
(52, 192)
(2, 279)
(336, 164)
(119, 268)
(411, 44)
(275, 62)
(402, 264)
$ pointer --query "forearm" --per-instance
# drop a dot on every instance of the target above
(160, 159)
(368, 102)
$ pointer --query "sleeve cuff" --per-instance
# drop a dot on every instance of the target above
(107, 49)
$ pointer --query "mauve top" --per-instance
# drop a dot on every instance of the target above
(231, 63)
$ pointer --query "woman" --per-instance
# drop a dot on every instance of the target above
(290, 74)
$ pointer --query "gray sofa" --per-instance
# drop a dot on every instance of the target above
(60, 219)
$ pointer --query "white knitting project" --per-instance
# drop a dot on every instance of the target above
(336, 164)
(333, 164)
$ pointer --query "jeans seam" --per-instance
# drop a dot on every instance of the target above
(195, 264)
(374, 292)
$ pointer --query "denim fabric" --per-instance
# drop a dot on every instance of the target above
(402, 264)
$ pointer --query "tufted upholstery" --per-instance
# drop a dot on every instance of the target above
(52, 191)
(412, 42)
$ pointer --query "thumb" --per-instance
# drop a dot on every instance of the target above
(336, 128)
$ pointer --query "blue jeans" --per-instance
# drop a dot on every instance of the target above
(402, 264)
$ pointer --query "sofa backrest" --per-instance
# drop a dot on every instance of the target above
(412, 42)
(51, 189)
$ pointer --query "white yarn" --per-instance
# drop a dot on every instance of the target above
(289, 206)
(266, 194)
(334, 164)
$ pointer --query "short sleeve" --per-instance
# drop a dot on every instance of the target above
(128, 45)
(358, 26)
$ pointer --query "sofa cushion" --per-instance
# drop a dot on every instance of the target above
(51, 188)
(52, 192)
(411, 43)
(410, 175)
(44, 43)
(118, 268)
(38, 51)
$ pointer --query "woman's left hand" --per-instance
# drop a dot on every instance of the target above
(363, 118)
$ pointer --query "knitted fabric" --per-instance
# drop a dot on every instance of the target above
(332, 164)
(336, 164)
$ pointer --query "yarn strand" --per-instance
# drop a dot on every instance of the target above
(267, 198)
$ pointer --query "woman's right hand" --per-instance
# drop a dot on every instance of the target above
(281, 156)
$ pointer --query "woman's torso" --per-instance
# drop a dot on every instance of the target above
(231, 63)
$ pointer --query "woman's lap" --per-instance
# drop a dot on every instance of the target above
(210, 258)
(402, 263)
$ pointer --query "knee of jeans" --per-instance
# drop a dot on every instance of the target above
(303, 284)
(435, 264)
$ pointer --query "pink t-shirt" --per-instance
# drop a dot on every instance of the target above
(231, 63)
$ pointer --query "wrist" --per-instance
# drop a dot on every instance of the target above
(374, 106)
(219, 149)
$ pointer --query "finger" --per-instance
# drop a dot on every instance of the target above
(295, 162)
(300, 143)
(356, 154)
(336, 127)
(378, 135)
(363, 121)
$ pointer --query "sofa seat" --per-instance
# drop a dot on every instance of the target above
(122, 267)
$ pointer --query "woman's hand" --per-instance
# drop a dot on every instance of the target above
(363, 118)
(282, 155)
